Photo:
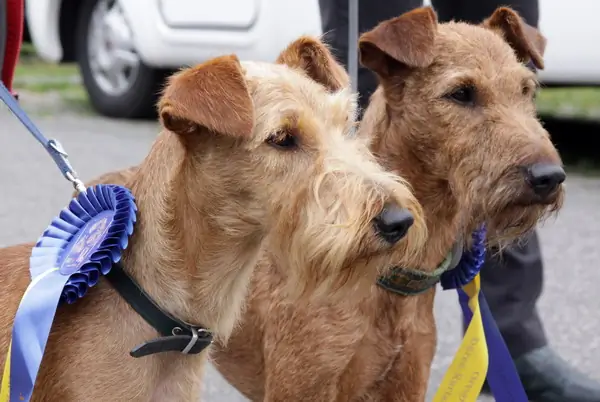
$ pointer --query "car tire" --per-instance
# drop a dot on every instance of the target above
(138, 100)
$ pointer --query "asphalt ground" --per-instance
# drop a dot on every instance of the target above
(33, 192)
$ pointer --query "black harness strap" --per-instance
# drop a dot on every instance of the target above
(177, 336)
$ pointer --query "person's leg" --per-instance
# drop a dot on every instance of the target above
(513, 280)
(13, 14)
(512, 283)
(3, 33)
(334, 20)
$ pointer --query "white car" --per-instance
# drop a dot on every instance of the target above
(126, 47)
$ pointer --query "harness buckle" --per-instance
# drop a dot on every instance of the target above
(193, 341)
(196, 334)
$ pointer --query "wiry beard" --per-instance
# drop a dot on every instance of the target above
(510, 224)
(507, 218)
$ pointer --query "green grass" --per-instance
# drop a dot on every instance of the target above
(31, 66)
(575, 103)
(35, 76)
(39, 69)
(45, 77)
(570, 102)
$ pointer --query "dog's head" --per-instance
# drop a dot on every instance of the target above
(346, 217)
(460, 108)
(272, 146)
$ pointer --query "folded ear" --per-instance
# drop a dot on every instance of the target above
(213, 95)
(407, 40)
(313, 57)
(527, 42)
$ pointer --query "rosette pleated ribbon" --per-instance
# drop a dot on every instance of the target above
(78, 247)
(482, 352)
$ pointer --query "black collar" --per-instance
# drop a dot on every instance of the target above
(411, 282)
(177, 336)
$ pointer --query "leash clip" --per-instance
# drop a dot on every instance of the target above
(61, 158)
(77, 183)
(53, 147)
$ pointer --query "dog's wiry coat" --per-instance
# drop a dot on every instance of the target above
(249, 152)
(463, 161)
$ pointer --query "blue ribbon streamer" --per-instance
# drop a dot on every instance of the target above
(502, 374)
(79, 246)
(31, 329)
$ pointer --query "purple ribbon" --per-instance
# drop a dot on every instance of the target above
(502, 374)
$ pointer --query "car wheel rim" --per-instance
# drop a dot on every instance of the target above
(114, 63)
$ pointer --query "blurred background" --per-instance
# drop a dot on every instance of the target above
(110, 58)
(89, 74)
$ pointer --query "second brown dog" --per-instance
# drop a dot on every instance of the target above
(249, 152)
(455, 116)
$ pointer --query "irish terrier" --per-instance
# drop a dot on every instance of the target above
(455, 116)
(248, 152)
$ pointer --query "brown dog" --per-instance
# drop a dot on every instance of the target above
(455, 116)
(248, 152)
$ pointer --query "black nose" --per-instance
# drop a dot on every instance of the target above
(393, 223)
(545, 178)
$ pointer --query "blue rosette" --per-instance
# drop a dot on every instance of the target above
(470, 263)
(78, 247)
(86, 238)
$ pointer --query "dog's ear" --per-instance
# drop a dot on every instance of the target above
(314, 58)
(407, 40)
(213, 95)
(527, 42)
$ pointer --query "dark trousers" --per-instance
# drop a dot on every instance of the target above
(512, 281)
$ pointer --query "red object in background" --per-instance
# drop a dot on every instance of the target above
(14, 33)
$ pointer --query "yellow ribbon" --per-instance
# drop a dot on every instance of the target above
(465, 376)
(5, 387)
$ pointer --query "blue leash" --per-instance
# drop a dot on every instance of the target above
(79, 246)
(53, 147)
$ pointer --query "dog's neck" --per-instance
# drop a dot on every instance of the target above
(391, 144)
(183, 252)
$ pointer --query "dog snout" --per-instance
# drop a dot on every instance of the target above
(393, 223)
(544, 178)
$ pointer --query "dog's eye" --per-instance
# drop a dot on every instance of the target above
(464, 95)
(284, 139)
(530, 91)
